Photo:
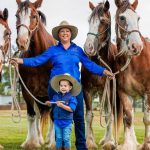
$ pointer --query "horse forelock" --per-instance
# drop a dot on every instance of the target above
(97, 11)
(24, 6)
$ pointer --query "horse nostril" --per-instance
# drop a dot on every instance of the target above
(90, 46)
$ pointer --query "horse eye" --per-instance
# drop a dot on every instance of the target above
(17, 16)
(122, 18)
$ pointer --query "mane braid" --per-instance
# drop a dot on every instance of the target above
(42, 17)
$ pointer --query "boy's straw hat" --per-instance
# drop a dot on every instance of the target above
(76, 88)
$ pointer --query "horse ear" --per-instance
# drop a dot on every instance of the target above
(5, 14)
(134, 5)
(18, 1)
(106, 6)
(38, 3)
(91, 5)
(117, 2)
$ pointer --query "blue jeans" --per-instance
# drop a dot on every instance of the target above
(78, 120)
(63, 135)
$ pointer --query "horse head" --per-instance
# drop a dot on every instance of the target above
(27, 22)
(127, 28)
(4, 37)
(99, 28)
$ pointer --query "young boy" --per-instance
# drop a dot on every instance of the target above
(63, 105)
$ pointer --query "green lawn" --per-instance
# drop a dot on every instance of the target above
(13, 134)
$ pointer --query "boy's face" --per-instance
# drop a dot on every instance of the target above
(64, 86)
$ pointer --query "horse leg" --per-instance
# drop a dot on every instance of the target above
(32, 140)
(89, 118)
(38, 124)
(50, 137)
(146, 120)
(130, 141)
(108, 140)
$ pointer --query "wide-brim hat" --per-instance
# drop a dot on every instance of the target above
(76, 88)
(65, 24)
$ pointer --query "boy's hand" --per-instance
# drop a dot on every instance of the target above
(59, 104)
(48, 103)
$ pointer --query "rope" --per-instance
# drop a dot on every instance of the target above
(15, 103)
(106, 96)
(37, 100)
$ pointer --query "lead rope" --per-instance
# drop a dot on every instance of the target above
(15, 107)
(37, 100)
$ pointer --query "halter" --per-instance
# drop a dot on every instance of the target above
(97, 35)
(29, 30)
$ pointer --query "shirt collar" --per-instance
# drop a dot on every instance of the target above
(72, 44)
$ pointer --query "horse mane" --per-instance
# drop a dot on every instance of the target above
(98, 10)
(42, 17)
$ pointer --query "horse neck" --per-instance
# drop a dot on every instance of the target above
(40, 40)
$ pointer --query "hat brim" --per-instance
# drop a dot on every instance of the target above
(74, 31)
(76, 89)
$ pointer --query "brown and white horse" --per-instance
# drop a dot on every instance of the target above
(98, 44)
(32, 40)
(4, 39)
(135, 80)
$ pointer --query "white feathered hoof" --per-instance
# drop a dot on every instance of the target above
(30, 145)
(145, 145)
(51, 147)
(1, 147)
(91, 144)
(109, 146)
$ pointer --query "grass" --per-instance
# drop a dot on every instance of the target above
(13, 134)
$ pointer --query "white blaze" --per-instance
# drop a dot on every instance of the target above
(25, 20)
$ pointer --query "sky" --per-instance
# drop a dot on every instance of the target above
(76, 12)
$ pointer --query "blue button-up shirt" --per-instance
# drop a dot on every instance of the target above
(65, 61)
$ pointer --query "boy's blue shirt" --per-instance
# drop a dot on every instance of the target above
(63, 117)
(65, 61)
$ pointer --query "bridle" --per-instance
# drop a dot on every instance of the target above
(99, 34)
(30, 30)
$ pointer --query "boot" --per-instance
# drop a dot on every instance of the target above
(67, 148)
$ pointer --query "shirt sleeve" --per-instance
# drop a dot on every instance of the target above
(90, 65)
(38, 60)
(73, 103)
